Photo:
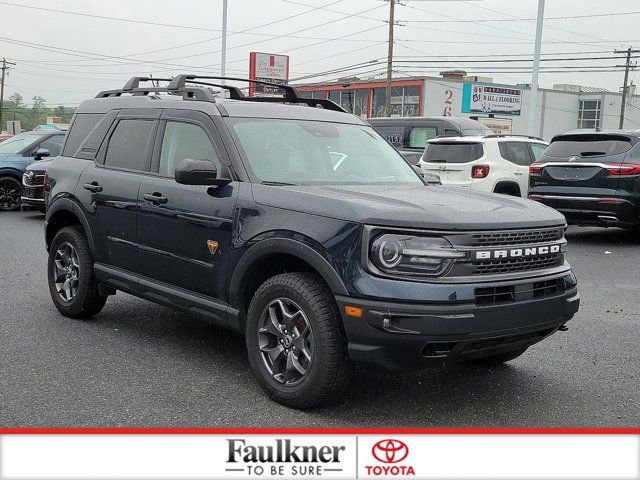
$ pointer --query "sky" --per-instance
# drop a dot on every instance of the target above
(68, 57)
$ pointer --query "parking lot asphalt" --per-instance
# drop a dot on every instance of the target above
(142, 365)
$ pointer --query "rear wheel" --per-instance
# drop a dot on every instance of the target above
(499, 358)
(72, 282)
(295, 342)
(10, 193)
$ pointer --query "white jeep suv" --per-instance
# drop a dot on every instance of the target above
(496, 163)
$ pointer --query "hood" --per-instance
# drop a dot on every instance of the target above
(40, 165)
(10, 156)
(435, 207)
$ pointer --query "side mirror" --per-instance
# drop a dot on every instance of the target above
(41, 153)
(198, 172)
(430, 178)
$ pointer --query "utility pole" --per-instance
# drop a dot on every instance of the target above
(533, 100)
(387, 100)
(223, 51)
(627, 67)
(4, 68)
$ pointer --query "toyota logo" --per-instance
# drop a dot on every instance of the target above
(390, 451)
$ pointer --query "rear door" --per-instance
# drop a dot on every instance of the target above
(452, 160)
(582, 165)
(109, 188)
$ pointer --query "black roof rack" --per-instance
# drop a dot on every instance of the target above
(178, 84)
(499, 135)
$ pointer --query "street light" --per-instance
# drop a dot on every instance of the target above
(533, 100)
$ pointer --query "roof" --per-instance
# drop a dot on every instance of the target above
(461, 121)
(591, 131)
(483, 139)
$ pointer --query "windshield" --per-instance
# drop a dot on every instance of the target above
(453, 152)
(589, 145)
(18, 143)
(308, 152)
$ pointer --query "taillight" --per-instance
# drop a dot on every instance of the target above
(535, 198)
(535, 169)
(623, 169)
(479, 171)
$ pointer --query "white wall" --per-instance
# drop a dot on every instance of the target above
(559, 109)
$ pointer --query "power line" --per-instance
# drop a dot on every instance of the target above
(516, 19)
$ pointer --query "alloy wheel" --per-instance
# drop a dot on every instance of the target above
(10, 192)
(66, 271)
(285, 341)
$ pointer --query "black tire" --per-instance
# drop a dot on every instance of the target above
(87, 300)
(10, 193)
(499, 358)
(328, 372)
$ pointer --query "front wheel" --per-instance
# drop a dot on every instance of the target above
(10, 193)
(295, 342)
(72, 282)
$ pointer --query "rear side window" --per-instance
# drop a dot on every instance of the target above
(515, 152)
(128, 145)
(586, 146)
(457, 152)
(82, 125)
(418, 136)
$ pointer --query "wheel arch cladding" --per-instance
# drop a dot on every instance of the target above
(65, 212)
(508, 186)
(273, 256)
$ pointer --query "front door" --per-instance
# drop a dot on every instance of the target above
(184, 231)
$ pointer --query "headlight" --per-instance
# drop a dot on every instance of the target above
(413, 255)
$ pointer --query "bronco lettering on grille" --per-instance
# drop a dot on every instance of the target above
(517, 252)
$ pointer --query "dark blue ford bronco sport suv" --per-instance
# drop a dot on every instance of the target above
(295, 223)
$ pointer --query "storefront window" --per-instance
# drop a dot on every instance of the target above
(347, 100)
(379, 97)
(405, 101)
(362, 98)
(334, 96)
(411, 105)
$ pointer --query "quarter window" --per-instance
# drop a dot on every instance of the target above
(128, 145)
(185, 140)
(589, 113)
(82, 125)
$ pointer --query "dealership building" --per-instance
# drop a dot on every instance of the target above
(503, 108)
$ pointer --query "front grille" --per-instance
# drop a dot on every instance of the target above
(515, 293)
(512, 265)
(519, 237)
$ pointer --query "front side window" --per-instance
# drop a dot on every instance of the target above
(53, 144)
(589, 114)
(128, 145)
(185, 140)
(418, 136)
(307, 152)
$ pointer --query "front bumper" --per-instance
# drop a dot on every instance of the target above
(402, 336)
(598, 211)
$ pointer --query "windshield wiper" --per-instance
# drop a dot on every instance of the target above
(278, 184)
(591, 154)
(437, 161)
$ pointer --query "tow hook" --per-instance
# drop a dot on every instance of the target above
(563, 328)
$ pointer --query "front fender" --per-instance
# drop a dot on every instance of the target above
(289, 246)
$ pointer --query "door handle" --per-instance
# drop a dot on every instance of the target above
(93, 187)
(155, 198)
(518, 173)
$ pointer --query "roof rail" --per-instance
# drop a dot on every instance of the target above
(499, 135)
(178, 84)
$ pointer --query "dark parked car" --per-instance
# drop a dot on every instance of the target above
(592, 177)
(300, 227)
(410, 134)
(16, 154)
(33, 183)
